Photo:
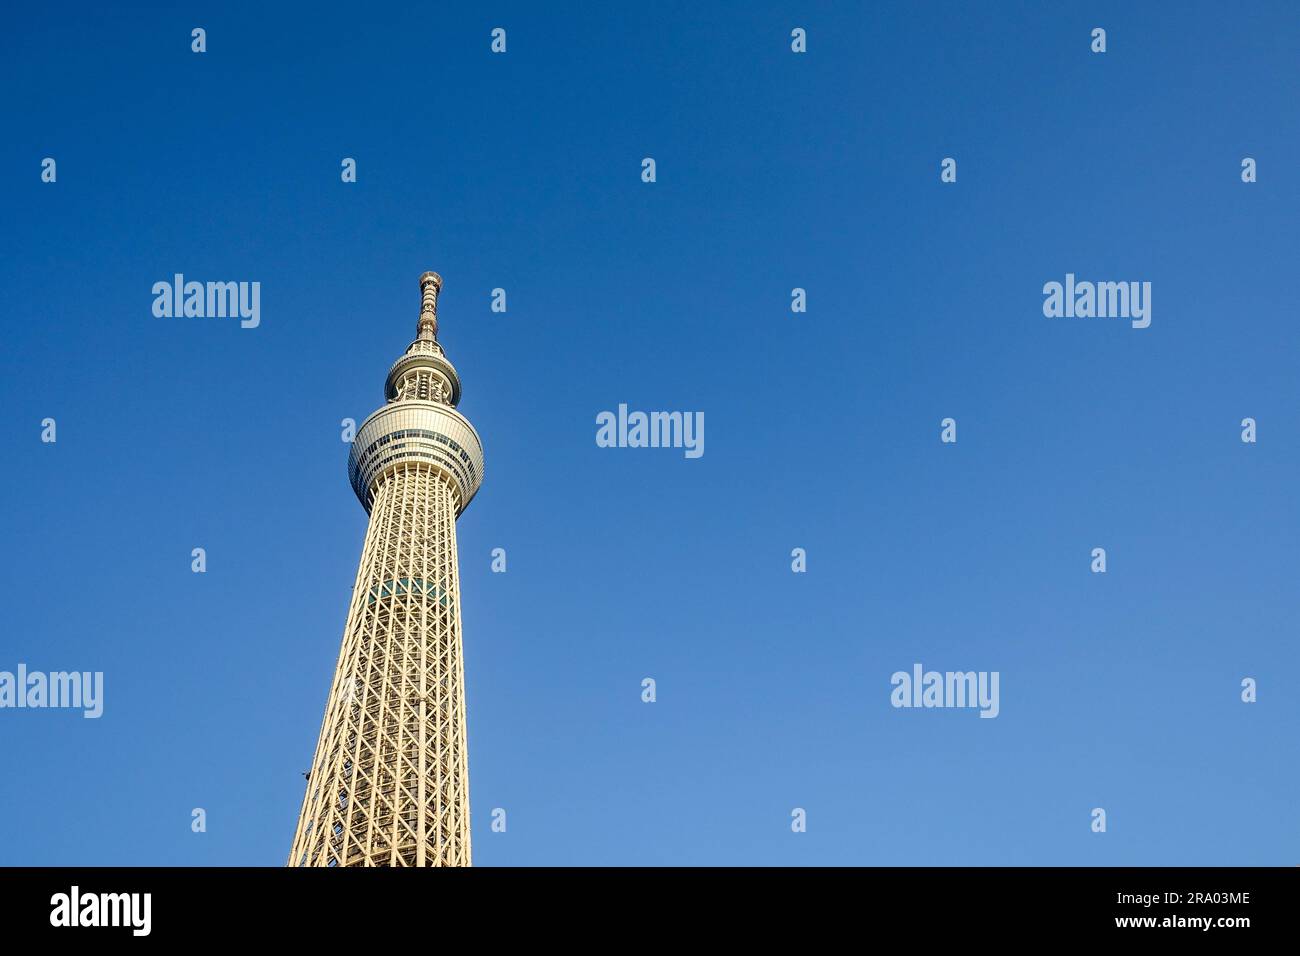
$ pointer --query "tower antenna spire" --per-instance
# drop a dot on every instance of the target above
(430, 286)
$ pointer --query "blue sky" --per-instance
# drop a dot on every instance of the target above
(774, 171)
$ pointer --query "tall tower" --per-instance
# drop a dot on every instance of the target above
(389, 785)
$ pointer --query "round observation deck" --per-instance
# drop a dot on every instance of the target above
(416, 432)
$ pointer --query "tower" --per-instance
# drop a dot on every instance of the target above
(389, 784)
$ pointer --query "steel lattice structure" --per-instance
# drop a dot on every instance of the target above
(389, 784)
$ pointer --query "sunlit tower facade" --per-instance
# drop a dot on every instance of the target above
(389, 784)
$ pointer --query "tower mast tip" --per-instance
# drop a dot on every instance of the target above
(430, 286)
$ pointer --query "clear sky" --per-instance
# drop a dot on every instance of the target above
(775, 170)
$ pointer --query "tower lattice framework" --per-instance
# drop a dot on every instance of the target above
(389, 784)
